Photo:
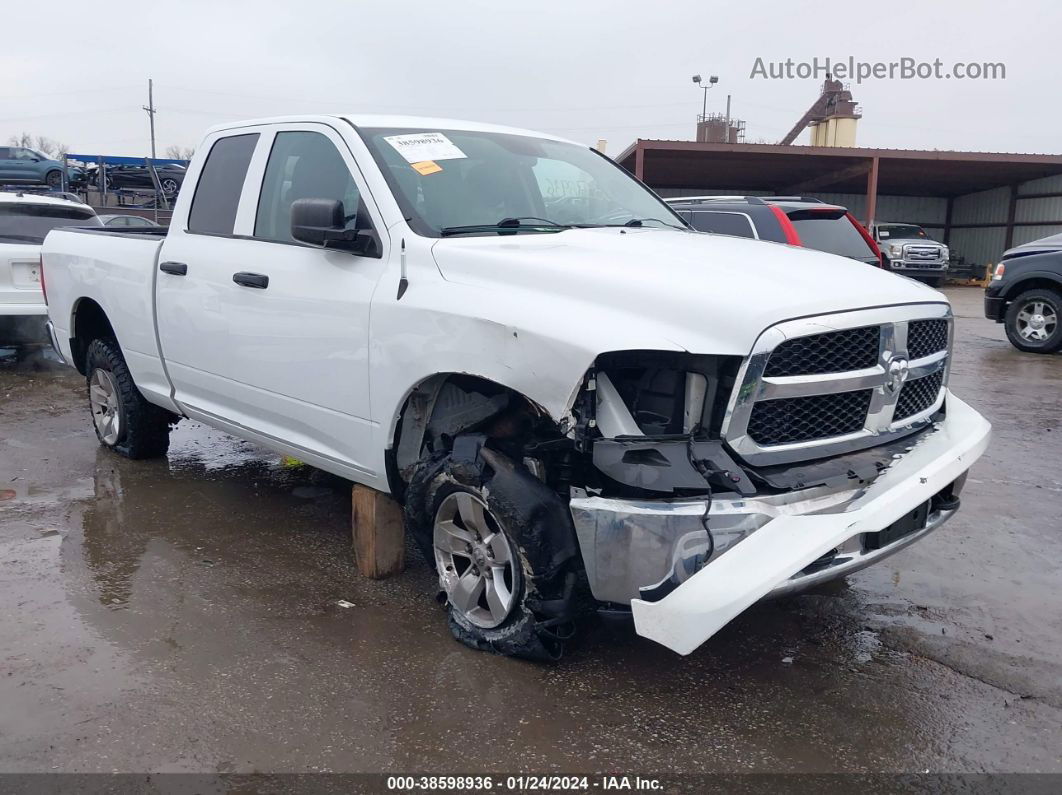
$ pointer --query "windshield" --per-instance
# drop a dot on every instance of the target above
(29, 223)
(484, 183)
(902, 232)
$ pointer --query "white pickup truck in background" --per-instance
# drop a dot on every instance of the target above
(567, 387)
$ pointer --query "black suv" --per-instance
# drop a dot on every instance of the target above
(1025, 295)
(797, 220)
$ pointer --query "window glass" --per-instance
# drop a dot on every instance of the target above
(304, 165)
(5, 153)
(831, 234)
(29, 223)
(217, 193)
(736, 224)
(479, 179)
(903, 231)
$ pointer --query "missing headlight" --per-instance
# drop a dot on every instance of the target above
(668, 394)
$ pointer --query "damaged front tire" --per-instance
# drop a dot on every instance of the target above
(503, 546)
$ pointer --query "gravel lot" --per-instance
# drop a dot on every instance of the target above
(182, 615)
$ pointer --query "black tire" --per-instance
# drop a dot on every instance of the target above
(1051, 300)
(144, 428)
(170, 186)
(53, 179)
(537, 526)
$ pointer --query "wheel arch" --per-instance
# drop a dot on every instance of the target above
(88, 321)
(1041, 280)
(469, 401)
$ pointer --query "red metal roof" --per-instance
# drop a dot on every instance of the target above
(690, 165)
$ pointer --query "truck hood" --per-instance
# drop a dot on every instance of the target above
(918, 241)
(663, 289)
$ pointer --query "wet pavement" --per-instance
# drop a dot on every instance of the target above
(182, 615)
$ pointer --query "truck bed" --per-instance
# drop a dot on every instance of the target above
(115, 268)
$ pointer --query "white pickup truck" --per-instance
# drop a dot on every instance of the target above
(570, 390)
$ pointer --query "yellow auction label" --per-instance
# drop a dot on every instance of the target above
(425, 167)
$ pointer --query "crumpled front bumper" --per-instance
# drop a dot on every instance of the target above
(642, 549)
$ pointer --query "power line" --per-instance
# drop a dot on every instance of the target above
(67, 92)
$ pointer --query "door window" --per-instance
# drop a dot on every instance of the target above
(304, 165)
(217, 193)
(723, 223)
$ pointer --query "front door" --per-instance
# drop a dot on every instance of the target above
(263, 331)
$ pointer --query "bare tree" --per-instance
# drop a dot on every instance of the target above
(41, 143)
(180, 152)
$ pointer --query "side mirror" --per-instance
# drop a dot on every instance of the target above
(322, 222)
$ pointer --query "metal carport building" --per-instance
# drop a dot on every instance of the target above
(980, 203)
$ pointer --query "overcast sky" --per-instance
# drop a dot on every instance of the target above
(584, 70)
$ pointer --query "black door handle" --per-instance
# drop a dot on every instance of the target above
(256, 280)
(174, 268)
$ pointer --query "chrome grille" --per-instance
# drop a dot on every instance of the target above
(925, 337)
(924, 253)
(835, 383)
(799, 419)
(833, 352)
(918, 395)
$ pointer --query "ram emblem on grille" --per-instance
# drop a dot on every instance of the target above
(899, 368)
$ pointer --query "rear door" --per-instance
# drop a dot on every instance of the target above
(25, 165)
(287, 359)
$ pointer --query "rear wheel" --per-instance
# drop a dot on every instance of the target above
(170, 186)
(1032, 321)
(123, 420)
(503, 546)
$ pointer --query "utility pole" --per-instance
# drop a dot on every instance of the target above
(150, 108)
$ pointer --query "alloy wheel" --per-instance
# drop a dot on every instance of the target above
(477, 567)
(104, 402)
(1036, 321)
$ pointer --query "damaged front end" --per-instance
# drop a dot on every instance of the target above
(720, 481)
(699, 484)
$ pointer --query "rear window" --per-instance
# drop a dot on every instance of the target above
(217, 194)
(722, 223)
(832, 233)
(29, 223)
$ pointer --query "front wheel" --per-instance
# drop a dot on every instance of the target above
(124, 421)
(54, 179)
(1032, 321)
(503, 546)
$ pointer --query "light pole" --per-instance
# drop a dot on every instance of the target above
(711, 82)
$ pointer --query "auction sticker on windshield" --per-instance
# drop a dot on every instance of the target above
(420, 147)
